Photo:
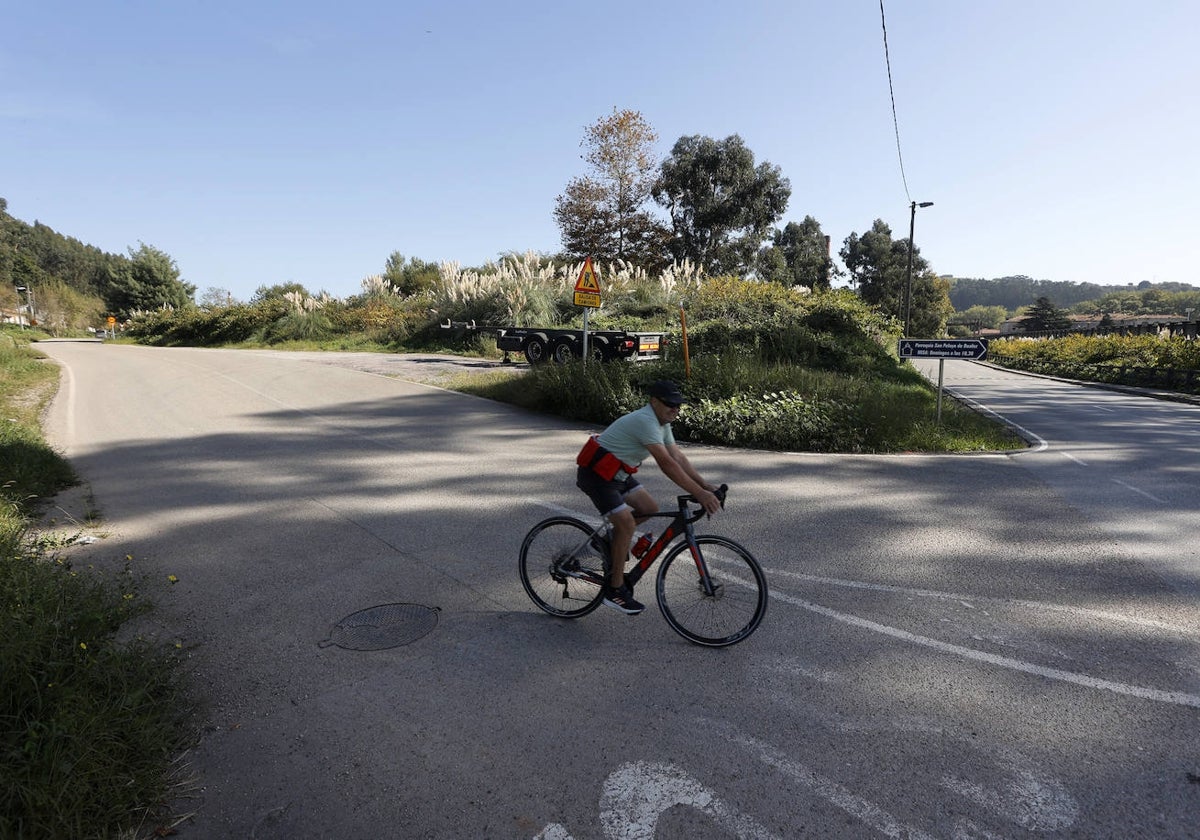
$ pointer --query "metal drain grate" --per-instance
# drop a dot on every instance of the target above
(383, 627)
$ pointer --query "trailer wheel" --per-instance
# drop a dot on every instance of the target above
(535, 349)
(563, 350)
(599, 351)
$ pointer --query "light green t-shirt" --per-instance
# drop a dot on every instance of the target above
(628, 436)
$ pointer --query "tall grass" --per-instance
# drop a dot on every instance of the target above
(29, 468)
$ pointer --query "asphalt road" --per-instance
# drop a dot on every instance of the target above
(957, 646)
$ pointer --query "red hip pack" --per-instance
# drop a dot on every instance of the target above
(599, 460)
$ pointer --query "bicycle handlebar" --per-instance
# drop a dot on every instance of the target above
(688, 498)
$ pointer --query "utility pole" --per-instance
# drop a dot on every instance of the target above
(912, 223)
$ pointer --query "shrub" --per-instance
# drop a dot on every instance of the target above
(775, 420)
(299, 326)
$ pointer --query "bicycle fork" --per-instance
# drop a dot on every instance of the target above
(708, 586)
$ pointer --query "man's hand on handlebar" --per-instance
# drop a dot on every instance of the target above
(710, 501)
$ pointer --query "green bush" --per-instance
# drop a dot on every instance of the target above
(201, 327)
(299, 326)
(740, 401)
(777, 420)
(1131, 359)
(830, 331)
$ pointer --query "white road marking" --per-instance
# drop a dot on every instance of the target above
(842, 797)
(1040, 444)
(1073, 458)
(1178, 698)
(1031, 800)
(970, 599)
(635, 795)
(1149, 496)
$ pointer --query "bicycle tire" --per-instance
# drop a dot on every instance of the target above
(545, 546)
(712, 620)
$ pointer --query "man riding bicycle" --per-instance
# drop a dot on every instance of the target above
(606, 467)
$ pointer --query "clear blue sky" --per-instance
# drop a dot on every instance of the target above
(261, 143)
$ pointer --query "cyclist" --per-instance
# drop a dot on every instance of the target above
(606, 467)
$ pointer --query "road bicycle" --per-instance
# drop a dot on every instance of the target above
(710, 590)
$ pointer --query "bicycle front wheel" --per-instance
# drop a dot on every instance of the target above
(735, 608)
(561, 569)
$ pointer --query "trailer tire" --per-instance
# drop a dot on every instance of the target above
(599, 351)
(563, 350)
(535, 349)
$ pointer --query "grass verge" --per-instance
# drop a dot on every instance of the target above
(740, 401)
(91, 717)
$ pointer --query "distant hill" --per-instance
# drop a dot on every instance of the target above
(1019, 290)
(37, 254)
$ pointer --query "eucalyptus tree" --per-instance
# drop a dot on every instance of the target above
(799, 256)
(722, 206)
(878, 267)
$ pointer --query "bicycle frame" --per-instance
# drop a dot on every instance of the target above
(682, 521)
(695, 599)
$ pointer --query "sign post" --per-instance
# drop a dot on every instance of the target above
(973, 349)
(587, 295)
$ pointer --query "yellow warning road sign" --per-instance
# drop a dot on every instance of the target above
(587, 287)
(588, 280)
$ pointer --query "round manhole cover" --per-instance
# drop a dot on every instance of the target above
(382, 627)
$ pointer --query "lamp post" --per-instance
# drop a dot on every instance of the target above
(912, 223)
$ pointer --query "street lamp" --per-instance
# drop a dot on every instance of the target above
(912, 223)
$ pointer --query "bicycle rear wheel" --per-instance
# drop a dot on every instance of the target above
(561, 570)
(730, 614)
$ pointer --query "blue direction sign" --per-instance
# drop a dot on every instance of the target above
(943, 348)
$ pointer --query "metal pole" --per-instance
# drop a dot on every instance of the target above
(941, 370)
(586, 309)
(912, 223)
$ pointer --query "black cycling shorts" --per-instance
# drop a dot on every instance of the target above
(607, 496)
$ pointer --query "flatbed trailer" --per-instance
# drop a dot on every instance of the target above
(540, 344)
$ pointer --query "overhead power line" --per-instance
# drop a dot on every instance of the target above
(892, 92)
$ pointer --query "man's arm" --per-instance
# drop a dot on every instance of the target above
(683, 461)
(676, 467)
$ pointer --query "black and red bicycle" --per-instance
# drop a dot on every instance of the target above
(710, 589)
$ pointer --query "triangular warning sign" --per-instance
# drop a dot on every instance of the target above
(588, 281)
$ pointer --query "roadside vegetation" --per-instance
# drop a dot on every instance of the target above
(1138, 360)
(91, 717)
(768, 366)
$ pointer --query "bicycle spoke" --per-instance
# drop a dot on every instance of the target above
(561, 570)
(735, 607)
